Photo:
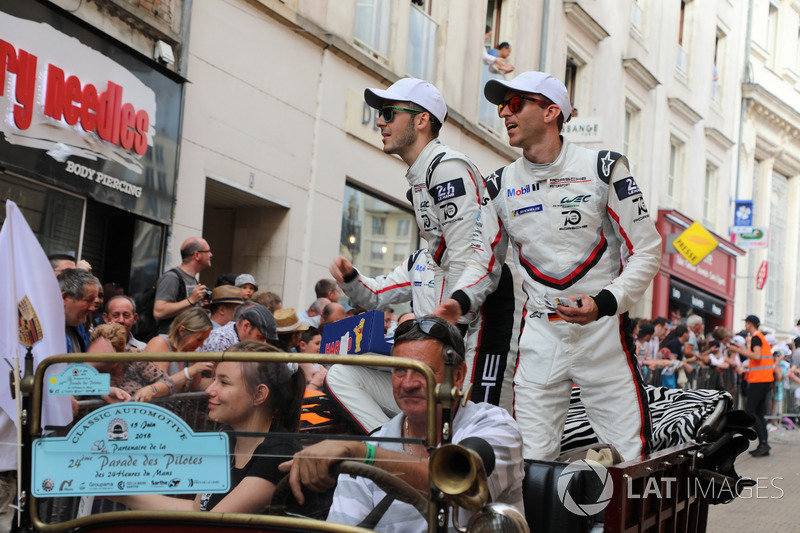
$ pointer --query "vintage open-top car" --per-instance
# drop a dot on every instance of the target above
(172, 447)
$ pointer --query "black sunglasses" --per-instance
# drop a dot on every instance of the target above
(515, 103)
(430, 327)
(387, 113)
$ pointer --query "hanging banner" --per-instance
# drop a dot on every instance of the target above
(761, 277)
(743, 213)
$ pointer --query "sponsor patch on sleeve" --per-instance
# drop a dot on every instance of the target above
(626, 188)
(493, 183)
(448, 190)
(524, 210)
(606, 160)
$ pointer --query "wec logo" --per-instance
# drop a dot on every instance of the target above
(581, 198)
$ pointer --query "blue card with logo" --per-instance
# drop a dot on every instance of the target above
(130, 448)
(79, 379)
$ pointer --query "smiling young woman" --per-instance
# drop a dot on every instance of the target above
(257, 402)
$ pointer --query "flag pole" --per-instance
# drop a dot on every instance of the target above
(24, 388)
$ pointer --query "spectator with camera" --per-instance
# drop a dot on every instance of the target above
(178, 289)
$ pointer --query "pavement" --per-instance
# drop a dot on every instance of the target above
(773, 505)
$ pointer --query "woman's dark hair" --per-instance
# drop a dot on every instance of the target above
(285, 381)
(308, 335)
(228, 278)
(679, 331)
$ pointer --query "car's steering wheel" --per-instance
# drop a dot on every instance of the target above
(387, 482)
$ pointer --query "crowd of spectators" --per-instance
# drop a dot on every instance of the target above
(682, 354)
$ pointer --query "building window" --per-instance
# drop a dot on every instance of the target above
(716, 73)
(372, 25)
(377, 251)
(630, 136)
(378, 225)
(571, 76)
(494, 9)
(637, 16)
(403, 227)
(710, 195)
(682, 60)
(487, 112)
(400, 252)
(776, 255)
(370, 227)
(55, 216)
(421, 50)
(674, 177)
(772, 28)
(796, 63)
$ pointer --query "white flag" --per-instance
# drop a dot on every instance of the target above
(28, 287)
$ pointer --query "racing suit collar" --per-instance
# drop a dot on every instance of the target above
(421, 164)
(541, 172)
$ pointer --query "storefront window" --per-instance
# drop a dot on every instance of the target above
(375, 232)
(147, 245)
(54, 216)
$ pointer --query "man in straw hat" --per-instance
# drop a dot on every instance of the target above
(224, 301)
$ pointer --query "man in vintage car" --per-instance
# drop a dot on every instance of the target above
(430, 340)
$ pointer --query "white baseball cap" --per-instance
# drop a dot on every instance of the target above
(413, 90)
(531, 82)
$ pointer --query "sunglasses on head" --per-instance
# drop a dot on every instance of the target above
(387, 112)
(515, 102)
(430, 327)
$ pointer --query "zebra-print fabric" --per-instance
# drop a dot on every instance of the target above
(677, 416)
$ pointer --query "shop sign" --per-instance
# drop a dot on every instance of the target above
(743, 213)
(81, 113)
(130, 448)
(705, 269)
(695, 243)
(696, 299)
(584, 129)
(60, 91)
(750, 238)
(360, 120)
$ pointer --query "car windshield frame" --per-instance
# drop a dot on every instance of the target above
(203, 517)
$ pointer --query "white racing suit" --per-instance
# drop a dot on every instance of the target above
(411, 281)
(577, 226)
(446, 191)
(365, 393)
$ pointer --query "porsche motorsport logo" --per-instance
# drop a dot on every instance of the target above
(589, 508)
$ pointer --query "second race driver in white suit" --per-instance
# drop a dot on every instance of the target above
(365, 392)
(446, 190)
(578, 226)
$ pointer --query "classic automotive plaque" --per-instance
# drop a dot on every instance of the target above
(131, 448)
